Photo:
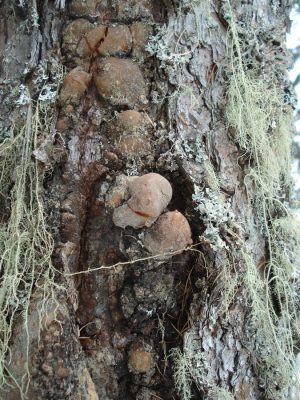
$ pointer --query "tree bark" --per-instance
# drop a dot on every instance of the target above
(123, 332)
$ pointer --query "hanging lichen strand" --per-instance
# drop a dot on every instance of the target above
(26, 245)
(261, 118)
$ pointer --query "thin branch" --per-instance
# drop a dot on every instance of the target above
(172, 253)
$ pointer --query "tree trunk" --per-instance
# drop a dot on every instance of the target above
(146, 295)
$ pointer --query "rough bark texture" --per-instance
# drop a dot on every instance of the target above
(117, 326)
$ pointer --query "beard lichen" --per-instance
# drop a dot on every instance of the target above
(26, 245)
(189, 369)
(261, 118)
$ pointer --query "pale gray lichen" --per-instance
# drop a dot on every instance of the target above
(134, 166)
(23, 96)
(191, 150)
(210, 206)
(46, 83)
(157, 46)
(212, 235)
(60, 4)
(215, 214)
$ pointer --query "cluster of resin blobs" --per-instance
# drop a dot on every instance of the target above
(100, 54)
(149, 195)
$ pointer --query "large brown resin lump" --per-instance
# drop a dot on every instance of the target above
(75, 85)
(133, 145)
(150, 195)
(108, 41)
(121, 82)
(83, 7)
(127, 122)
(82, 39)
(73, 33)
(129, 131)
(170, 233)
(140, 359)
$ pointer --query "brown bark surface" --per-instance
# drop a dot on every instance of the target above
(124, 112)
